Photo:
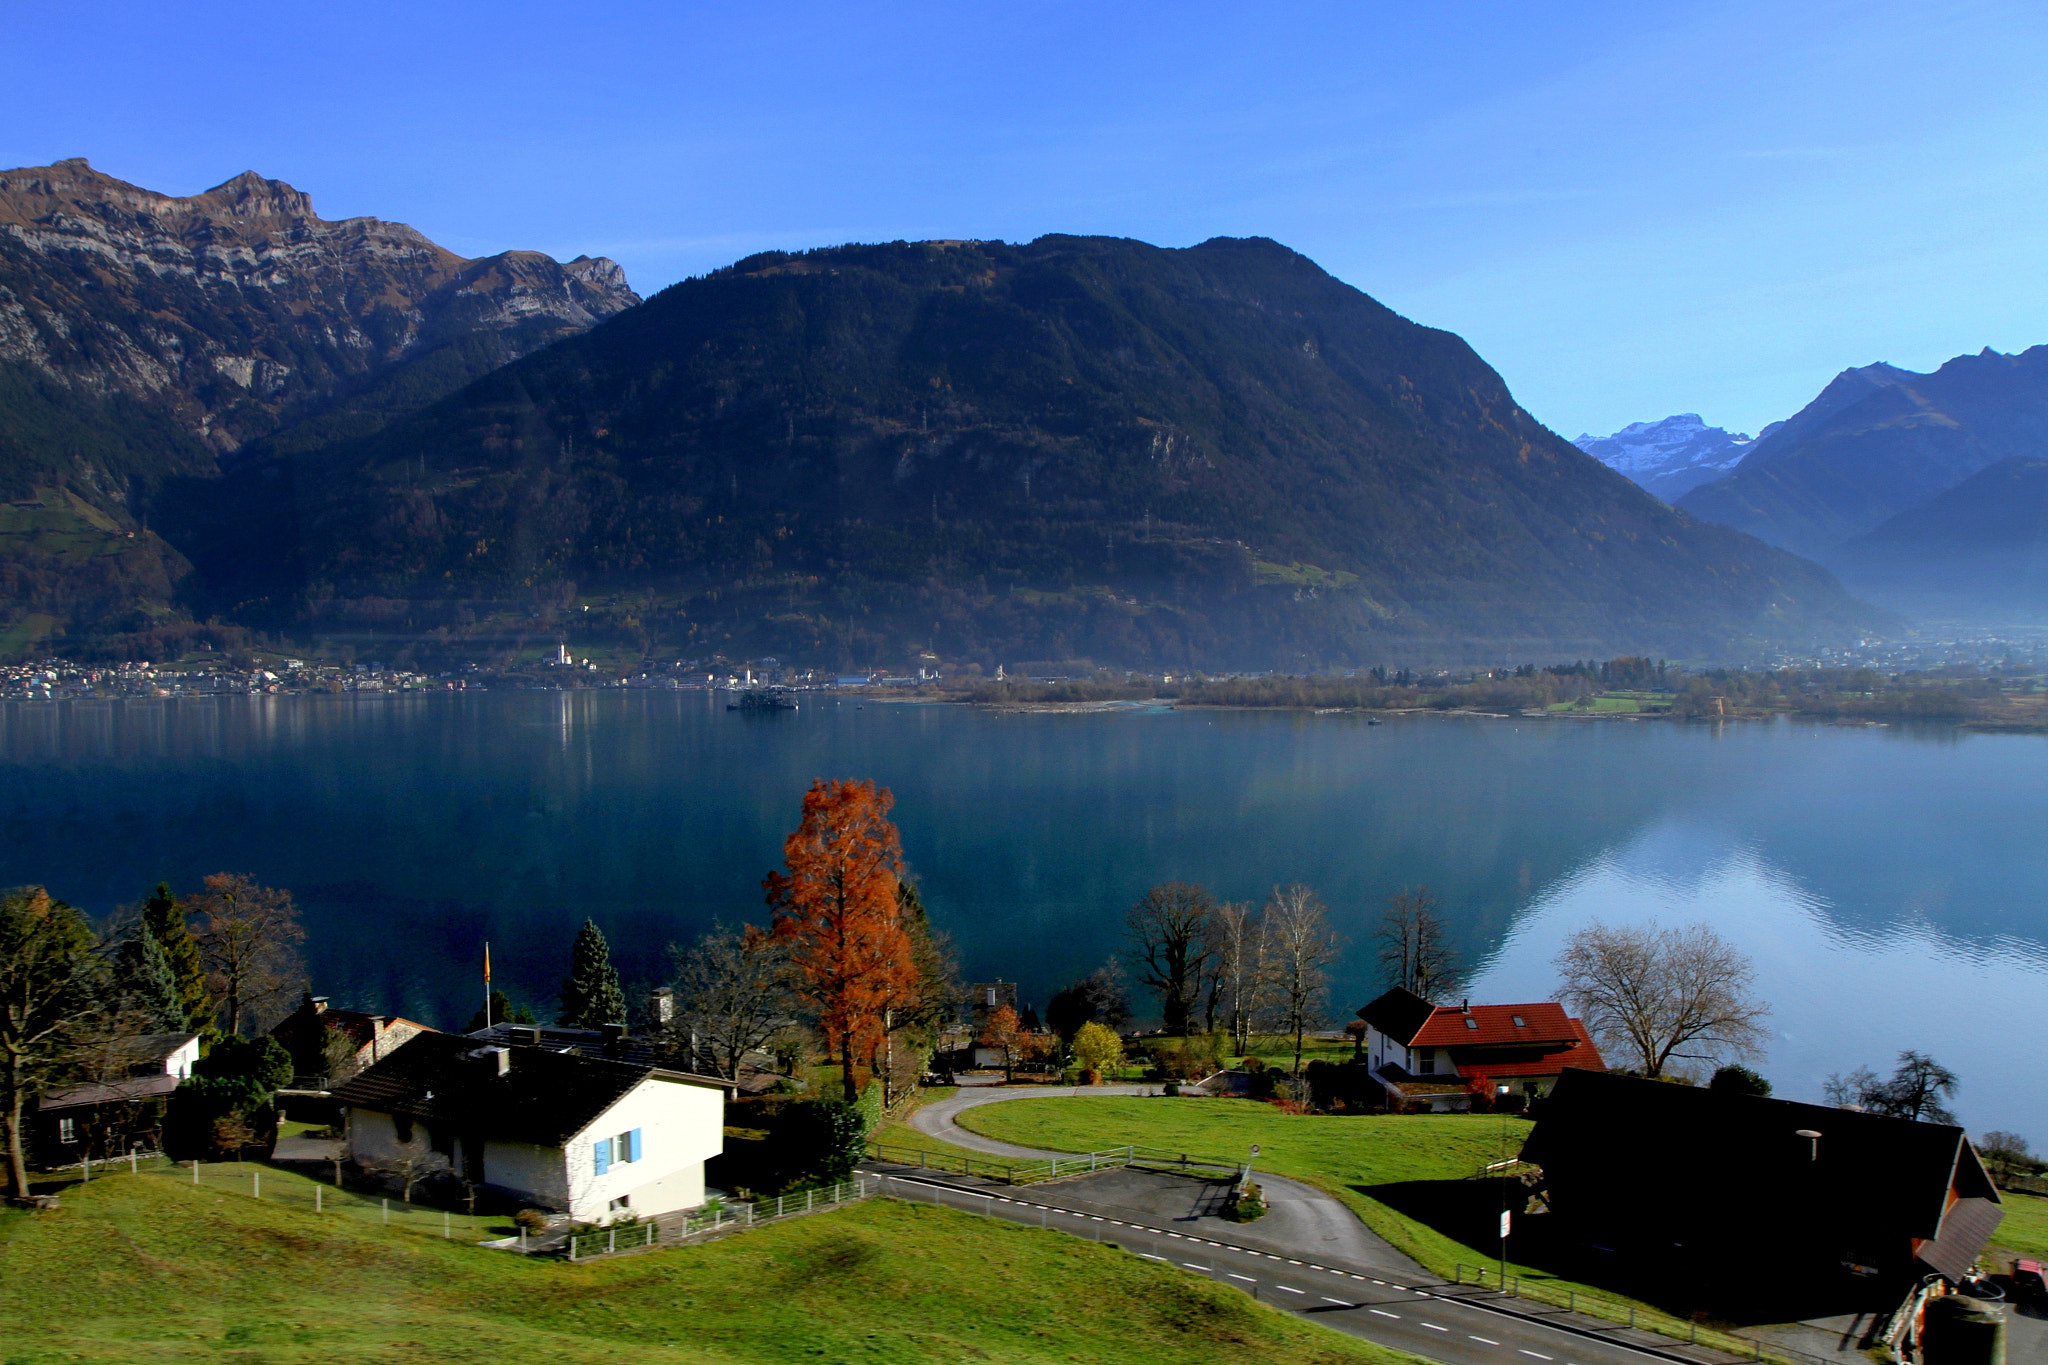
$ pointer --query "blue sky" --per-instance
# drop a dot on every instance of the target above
(1628, 209)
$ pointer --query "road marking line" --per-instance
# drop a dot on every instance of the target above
(1150, 1257)
(1288, 1287)
(1192, 1266)
(1384, 1313)
(1538, 1354)
(1423, 1294)
(1434, 1328)
(1327, 1299)
(1246, 1278)
(1294, 1263)
(1381, 1283)
(1488, 1340)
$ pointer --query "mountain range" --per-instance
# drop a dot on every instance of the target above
(1217, 456)
(1908, 485)
(146, 339)
(1668, 458)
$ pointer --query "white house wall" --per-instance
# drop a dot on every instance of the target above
(181, 1062)
(374, 1146)
(538, 1175)
(682, 1125)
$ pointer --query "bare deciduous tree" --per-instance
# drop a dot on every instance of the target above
(1657, 996)
(249, 936)
(53, 994)
(734, 990)
(1170, 949)
(1416, 953)
(1918, 1089)
(1302, 949)
(1239, 937)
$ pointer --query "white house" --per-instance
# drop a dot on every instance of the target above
(592, 1137)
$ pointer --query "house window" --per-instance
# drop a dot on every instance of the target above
(402, 1123)
(616, 1151)
(622, 1204)
(1518, 1021)
(67, 1130)
(1470, 1022)
(1428, 1064)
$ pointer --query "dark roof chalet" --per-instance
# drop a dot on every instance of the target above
(616, 1043)
(545, 1097)
(1875, 1189)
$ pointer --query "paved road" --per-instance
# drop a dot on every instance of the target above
(1310, 1254)
(1427, 1319)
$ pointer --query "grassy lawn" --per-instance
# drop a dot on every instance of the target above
(2025, 1229)
(1375, 1164)
(146, 1268)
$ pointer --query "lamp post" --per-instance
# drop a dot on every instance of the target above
(1812, 1136)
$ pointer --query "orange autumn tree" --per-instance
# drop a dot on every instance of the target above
(837, 908)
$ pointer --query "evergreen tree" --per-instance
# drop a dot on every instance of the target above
(591, 996)
(148, 989)
(164, 918)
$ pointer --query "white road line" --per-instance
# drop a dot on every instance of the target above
(1246, 1278)
(1289, 1288)
(1538, 1354)
(1488, 1340)
(1434, 1328)
(1343, 1302)
(1384, 1313)
(1192, 1266)
(1150, 1257)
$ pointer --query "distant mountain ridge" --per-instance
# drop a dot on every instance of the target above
(1078, 447)
(147, 338)
(1977, 550)
(1877, 441)
(1668, 458)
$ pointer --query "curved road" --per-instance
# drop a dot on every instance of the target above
(1310, 1254)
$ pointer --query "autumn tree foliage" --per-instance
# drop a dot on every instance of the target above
(249, 938)
(838, 909)
(1004, 1034)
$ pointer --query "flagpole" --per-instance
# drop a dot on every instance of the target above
(487, 983)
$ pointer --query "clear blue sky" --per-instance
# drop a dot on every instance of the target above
(1629, 209)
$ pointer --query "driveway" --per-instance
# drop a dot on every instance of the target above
(1302, 1222)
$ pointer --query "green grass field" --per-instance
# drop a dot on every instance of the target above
(2025, 1229)
(145, 1268)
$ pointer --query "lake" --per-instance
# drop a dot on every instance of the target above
(1891, 883)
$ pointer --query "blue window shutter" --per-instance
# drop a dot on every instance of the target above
(601, 1153)
(633, 1145)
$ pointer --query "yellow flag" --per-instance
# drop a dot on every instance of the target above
(487, 964)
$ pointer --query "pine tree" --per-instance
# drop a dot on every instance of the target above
(164, 918)
(591, 996)
(148, 989)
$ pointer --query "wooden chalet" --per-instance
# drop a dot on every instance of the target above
(1736, 1190)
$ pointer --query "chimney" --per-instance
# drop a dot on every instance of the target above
(528, 1036)
(612, 1033)
(499, 1060)
(662, 1005)
(1465, 1006)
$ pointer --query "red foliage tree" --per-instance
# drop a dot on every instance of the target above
(837, 908)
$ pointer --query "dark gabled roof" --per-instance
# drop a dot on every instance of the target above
(1400, 1013)
(129, 1091)
(546, 1097)
(589, 1042)
(1613, 1137)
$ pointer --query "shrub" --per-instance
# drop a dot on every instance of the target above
(1089, 1076)
(533, 1220)
(1097, 1048)
(1739, 1080)
(1191, 1058)
(820, 1140)
(1173, 1087)
(1246, 1202)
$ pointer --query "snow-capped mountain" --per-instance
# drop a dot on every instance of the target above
(1669, 458)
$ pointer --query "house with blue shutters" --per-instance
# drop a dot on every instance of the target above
(596, 1138)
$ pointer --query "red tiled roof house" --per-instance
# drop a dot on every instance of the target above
(1434, 1055)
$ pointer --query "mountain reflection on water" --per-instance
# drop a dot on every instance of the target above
(1891, 883)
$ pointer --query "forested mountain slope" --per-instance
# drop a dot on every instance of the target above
(145, 338)
(1080, 447)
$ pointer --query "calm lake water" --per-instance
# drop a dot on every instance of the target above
(1892, 884)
